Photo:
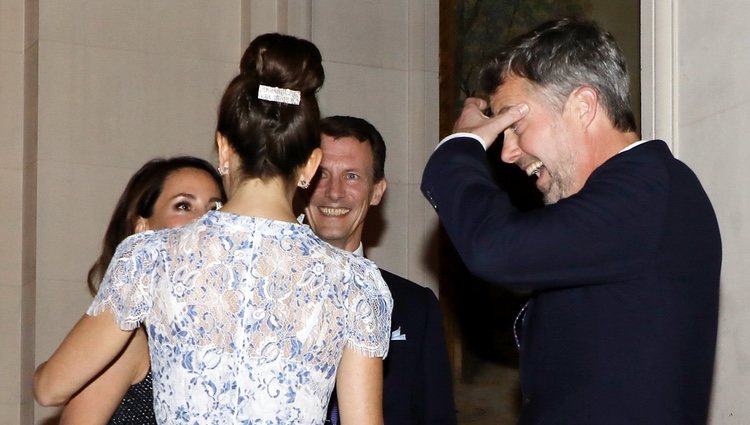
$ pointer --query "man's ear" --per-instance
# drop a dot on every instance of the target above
(585, 103)
(378, 190)
(141, 225)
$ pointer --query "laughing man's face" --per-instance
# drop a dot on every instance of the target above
(343, 191)
(542, 142)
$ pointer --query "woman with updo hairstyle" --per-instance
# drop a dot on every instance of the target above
(250, 316)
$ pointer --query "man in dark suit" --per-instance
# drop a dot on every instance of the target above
(623, 261)
(417, 387)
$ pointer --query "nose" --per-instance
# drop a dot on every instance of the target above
(511, 151)
(198, 213)
(334, 189)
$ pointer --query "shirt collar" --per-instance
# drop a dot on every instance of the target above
(632, 145)
(360, 250)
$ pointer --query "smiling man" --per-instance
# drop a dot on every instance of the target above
(417, 386)
(349, 181)
(624, 260)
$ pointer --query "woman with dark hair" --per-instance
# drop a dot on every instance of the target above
(250, 316)
(163, 193)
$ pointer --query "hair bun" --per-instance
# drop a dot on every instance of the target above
(284, 61)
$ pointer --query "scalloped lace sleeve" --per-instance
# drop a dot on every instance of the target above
(127, 284)
(371, 307)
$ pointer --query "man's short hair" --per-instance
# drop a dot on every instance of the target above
(338, 126)
(561, 55)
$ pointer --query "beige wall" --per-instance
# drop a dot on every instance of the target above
(711, 64)
(118, 83)
(695, 66)
(390, 78)
(696, 63)
(18, 53)
(103, 86)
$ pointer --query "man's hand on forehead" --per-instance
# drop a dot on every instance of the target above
(477, 118)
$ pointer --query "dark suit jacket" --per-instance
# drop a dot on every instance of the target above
(622, 324)
(417, 383)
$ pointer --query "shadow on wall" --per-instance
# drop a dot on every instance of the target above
(50, 421)
(376, 225)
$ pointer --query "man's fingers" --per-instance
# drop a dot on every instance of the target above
(472, 115)
(507, 117)
(473, 119)
(480, 104)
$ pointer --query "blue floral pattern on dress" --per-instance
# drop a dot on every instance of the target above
(247, 317)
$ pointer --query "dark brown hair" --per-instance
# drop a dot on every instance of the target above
(137, 200)
(273, 138)
(338, 126)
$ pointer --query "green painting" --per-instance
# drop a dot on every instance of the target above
(483, 26)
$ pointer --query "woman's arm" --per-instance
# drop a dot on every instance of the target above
(96, 402)
(359, 389)
(90, 346)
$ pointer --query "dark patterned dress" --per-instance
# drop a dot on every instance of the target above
(137, 407)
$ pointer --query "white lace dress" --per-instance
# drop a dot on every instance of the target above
(247, 317)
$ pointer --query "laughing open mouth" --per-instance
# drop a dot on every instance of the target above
(333, 212)
(534, 168)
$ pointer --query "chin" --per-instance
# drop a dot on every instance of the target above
(551, 198)
(329, 237)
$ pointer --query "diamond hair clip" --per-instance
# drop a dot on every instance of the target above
(276, 94)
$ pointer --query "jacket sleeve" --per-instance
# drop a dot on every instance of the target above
(606, 232)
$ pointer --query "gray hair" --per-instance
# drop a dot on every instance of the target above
(561, 55)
